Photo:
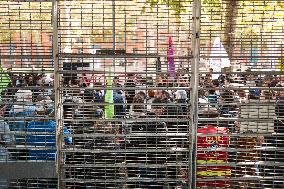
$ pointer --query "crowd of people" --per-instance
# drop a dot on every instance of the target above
(149, 113)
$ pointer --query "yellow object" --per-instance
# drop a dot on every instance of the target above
(281, 64)
(211, 161)
(211, 173)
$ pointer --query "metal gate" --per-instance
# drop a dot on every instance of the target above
(118, 66)
(240, 135)
(27, 126)
(141, 94)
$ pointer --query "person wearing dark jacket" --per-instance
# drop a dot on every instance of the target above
(130, 89)
(276, 141)
(147, 136)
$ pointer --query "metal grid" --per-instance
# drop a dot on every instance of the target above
(240, 137)
(27, 122)
(115, 56)
(117, 95)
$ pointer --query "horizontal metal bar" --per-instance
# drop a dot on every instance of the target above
(127, 88)
(132, 120)
(244, 164)
(241, 57)
(251, 72)
(131, 179)
(218, 119)
(95, 135)
(140, 165)
(31, 147)
(27, 71)
(241, 134)
(69, 149)
(148, 71)
(127, 55)
(243, 178)
(25, 133)
(244, 88)
(11, 57)
(91, 104)
(253, 149)
(27, 118)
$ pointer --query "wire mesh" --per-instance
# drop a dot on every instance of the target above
(124, 71)
(117, 88)
(27, 134)
(240, 140)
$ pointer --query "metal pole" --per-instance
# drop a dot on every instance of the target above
(57, 92)
(196, 9)
(113, 24)
(113, 33)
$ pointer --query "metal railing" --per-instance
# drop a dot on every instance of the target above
(140, 94)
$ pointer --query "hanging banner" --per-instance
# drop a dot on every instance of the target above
(171, 62)
(218, 58)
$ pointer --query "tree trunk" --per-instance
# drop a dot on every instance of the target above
(231, 14)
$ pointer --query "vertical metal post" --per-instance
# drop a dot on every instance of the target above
(57, 102)
(113, 25)
(196, 7)
(113, 32)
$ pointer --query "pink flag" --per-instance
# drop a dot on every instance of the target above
(171, 67)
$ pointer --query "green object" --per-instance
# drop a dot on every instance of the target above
(281, 64)
(109, 109)
(4, 81)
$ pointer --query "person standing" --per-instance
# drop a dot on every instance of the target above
(130, 85)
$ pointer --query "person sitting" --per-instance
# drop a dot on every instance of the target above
(150, 134)
(6, 139)
(119, 109)
(137, 109)
(22, 109)
(47, 140)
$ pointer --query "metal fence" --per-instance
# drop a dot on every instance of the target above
(123, 137)
(141, 94)
(240, 140)
(27, 139)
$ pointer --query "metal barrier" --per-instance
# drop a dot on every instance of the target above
(27, 134)
(123, 135)
(240, 141)
(141, 94)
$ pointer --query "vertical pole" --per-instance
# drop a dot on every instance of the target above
(196, 9)
(113, 33)
(57, 92)
(113, 25)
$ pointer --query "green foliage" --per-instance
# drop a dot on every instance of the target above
(255, 19)
(177, 6)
